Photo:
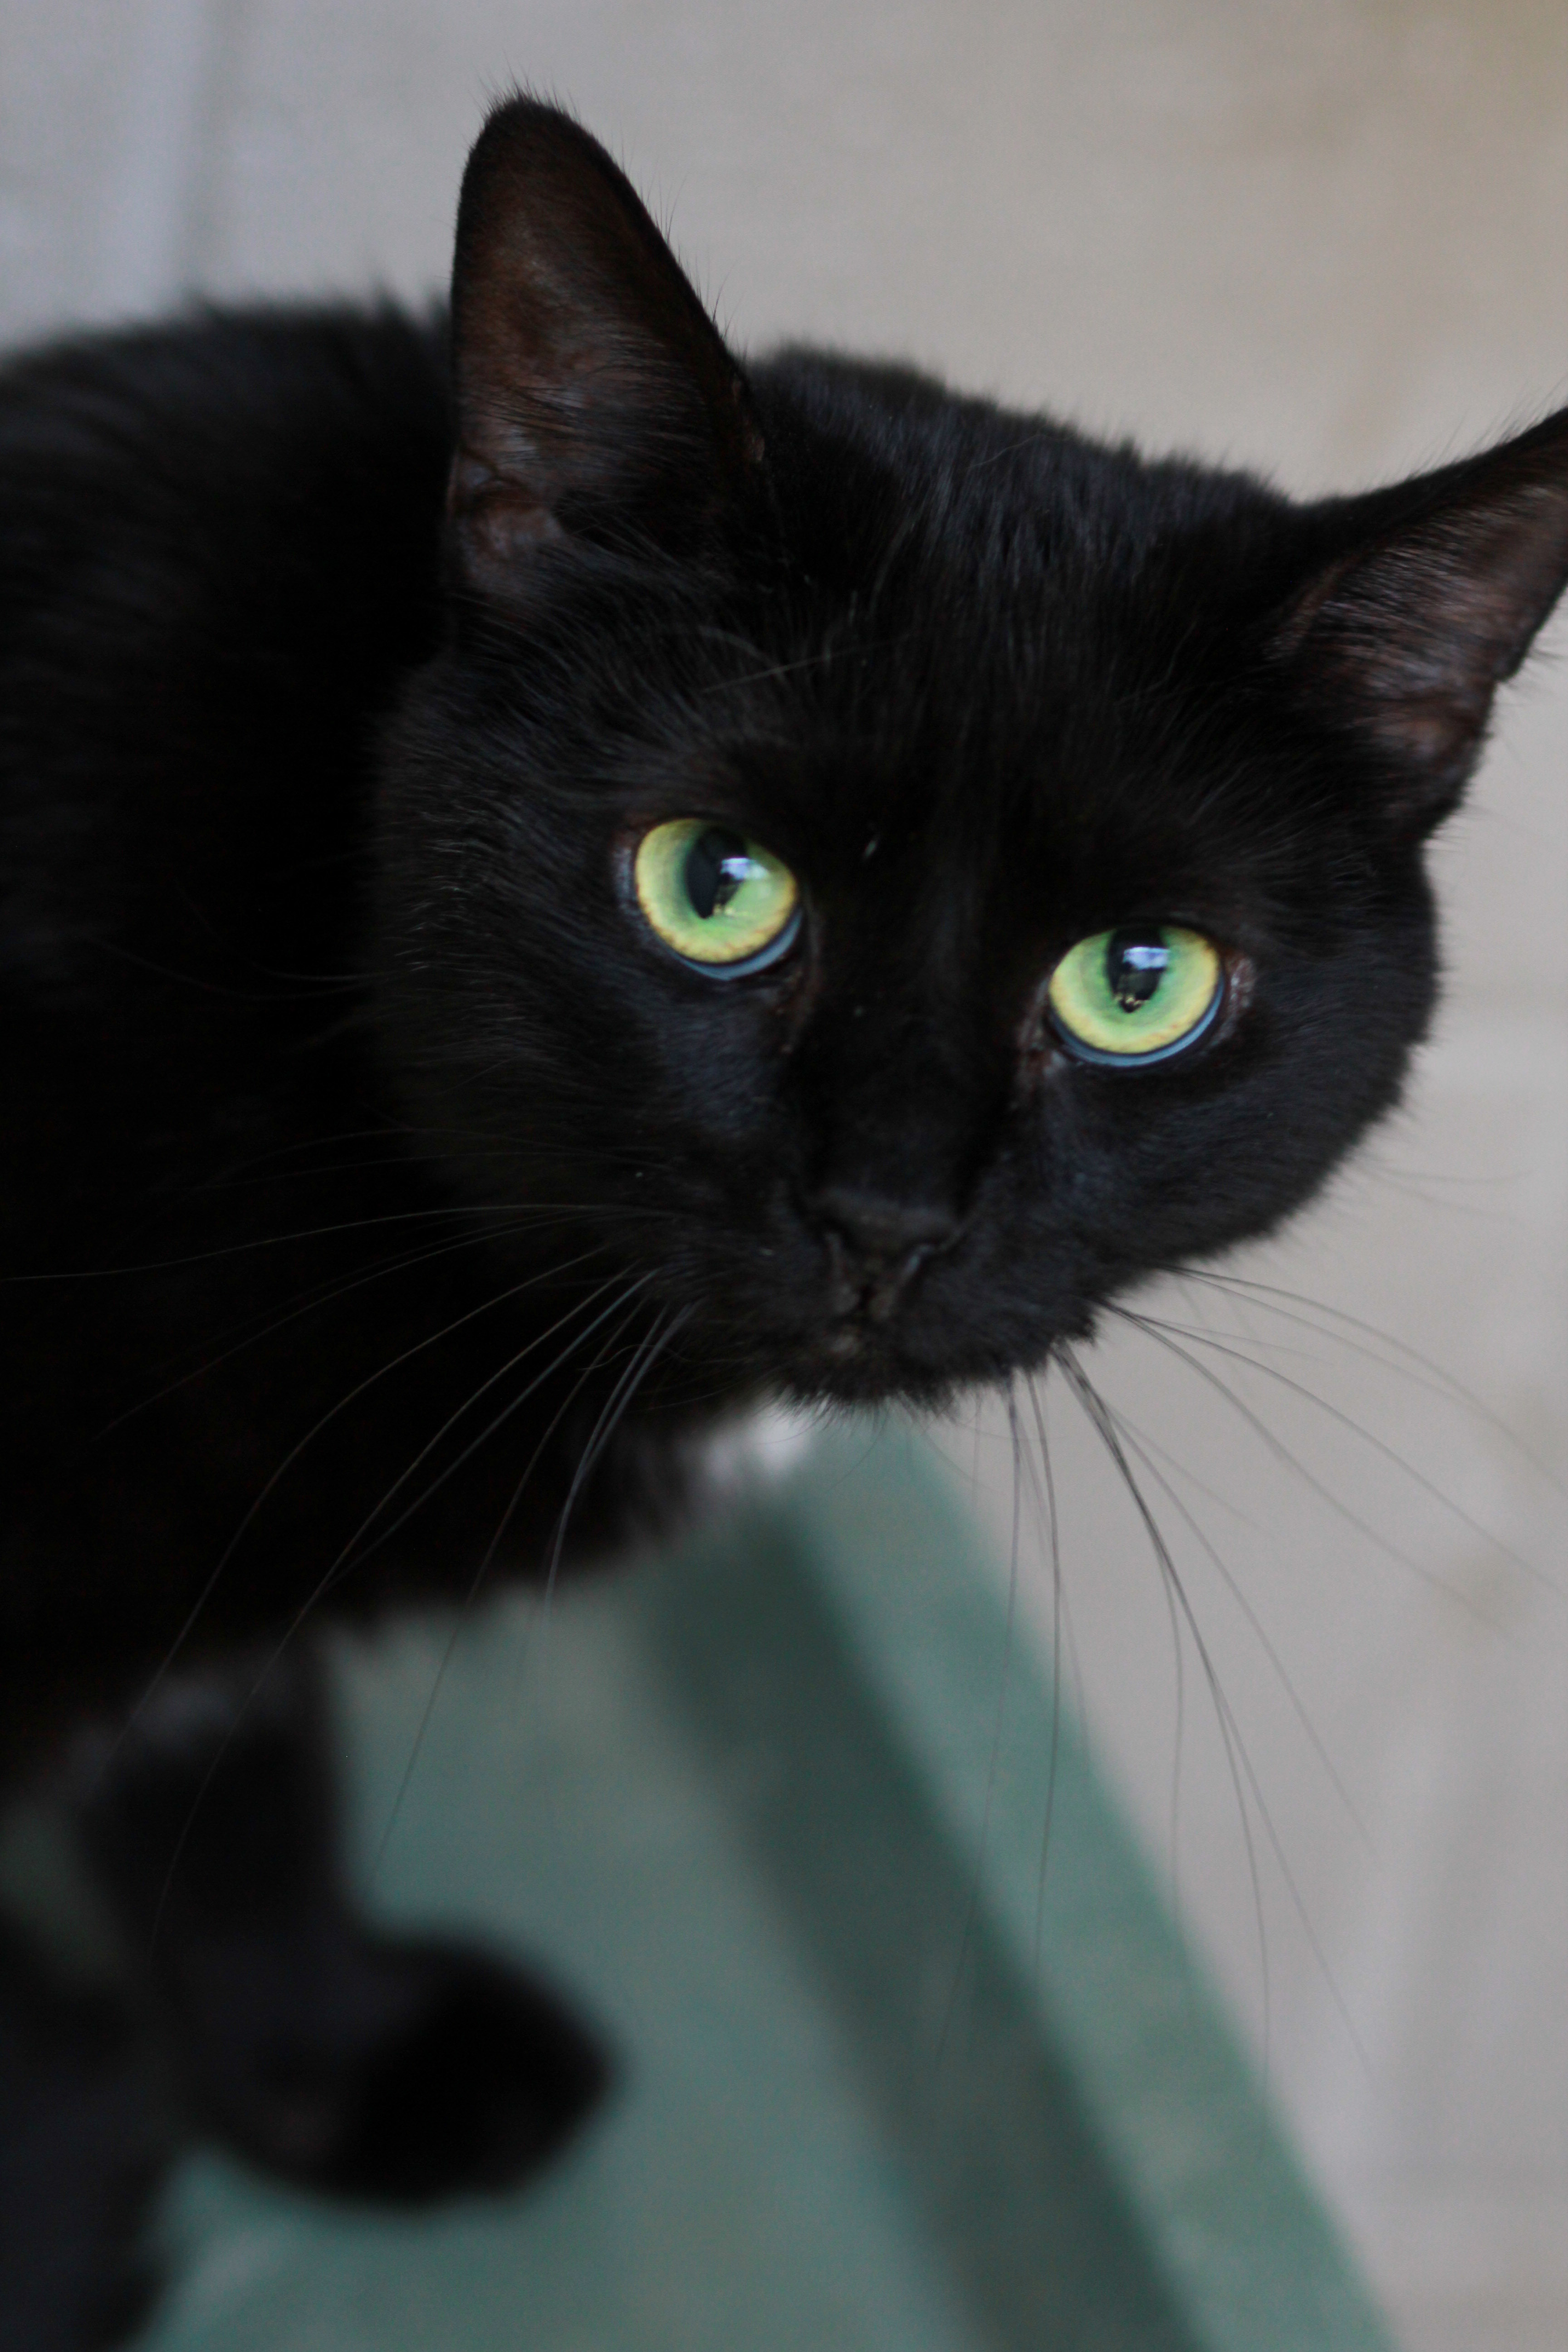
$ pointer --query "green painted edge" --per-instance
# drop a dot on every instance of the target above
(980, 2127)
(1247, 2254)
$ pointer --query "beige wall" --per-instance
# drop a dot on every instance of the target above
(1329, 239)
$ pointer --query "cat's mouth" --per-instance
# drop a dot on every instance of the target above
(855, 1346)
(853, 1362)
(862, 1357)
(921, 1341)
(861, 1347)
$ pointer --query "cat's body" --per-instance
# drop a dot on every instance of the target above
(388, 1201)
(222, 1224)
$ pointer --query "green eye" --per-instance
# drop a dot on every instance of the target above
(720, 902)
(1135, 995)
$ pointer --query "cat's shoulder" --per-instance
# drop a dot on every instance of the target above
(149, 454)
(99, 397)
(219, 555)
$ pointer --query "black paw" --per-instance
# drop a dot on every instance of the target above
(349, 2062)
(407, 2073)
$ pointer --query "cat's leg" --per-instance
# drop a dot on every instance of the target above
(349, 2061)
(81, 2149)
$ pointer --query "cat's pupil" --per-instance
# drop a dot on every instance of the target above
(1135, 964)
(716, 866)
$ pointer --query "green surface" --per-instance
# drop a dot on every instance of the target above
(773, 1812)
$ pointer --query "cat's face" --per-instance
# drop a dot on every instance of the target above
(890, 872)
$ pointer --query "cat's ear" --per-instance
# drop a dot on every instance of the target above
(1424, 601)
(595, 399)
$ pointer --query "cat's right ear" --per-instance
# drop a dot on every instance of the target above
(595, 398)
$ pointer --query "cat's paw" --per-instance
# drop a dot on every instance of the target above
(421, 2071)
(486, 2080)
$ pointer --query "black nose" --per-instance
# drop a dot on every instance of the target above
(876, 1244)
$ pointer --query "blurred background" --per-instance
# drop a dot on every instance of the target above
(1327, 239)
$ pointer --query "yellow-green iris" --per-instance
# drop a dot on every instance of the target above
(718, 898)
(1136, 994)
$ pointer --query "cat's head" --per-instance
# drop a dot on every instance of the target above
(889, 870)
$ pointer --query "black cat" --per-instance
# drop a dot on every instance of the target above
(551, 884)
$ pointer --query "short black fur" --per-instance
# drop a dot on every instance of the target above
(383, 1202)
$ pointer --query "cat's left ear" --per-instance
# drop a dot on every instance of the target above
(595, 399)
(1425, 600)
